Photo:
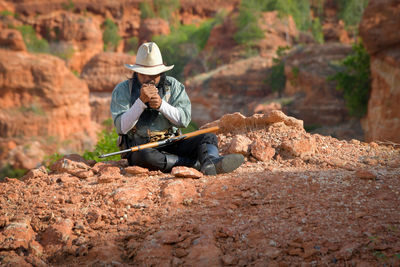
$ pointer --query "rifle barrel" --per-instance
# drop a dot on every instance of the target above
(163, 142)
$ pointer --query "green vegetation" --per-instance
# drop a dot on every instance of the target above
(51, 159)
(247, 22)
(107, 143)
(132, 45)
(191, 128)
(69, 6)
(159, 9)
(33, 108)
(110, 35)
(249, 12)
(276, 78)
(183, 44)
(350, 11)
(354, 80)
(6, 13)
(8, 171)
(33, 43)
(316, 29)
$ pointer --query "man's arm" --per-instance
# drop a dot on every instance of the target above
(131, 116)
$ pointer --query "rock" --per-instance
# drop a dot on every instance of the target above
(78, 37)
(262, 150)
(382, 44)
(40, 173)
(365, 174)
(186, 172)
(239, 145)
(26, 156)
(299, 147)
(308, 68)
(105, 70)
(150, 27)
(57, 234)
(229, 260)
(19, 234)
(135, 170)
(177, 191)
(48, 93)
(130, 195)
(12, 39)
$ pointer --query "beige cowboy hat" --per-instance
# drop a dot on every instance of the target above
(149, 60)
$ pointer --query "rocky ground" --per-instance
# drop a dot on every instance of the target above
(299, 199)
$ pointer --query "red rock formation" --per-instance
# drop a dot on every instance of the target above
(382, 41)
(77, 37)
(40, 97)
(105, 70)
(228, 89)
(316, 99)
(12, 39)
(152, 26)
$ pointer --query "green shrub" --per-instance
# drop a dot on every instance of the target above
(247, 22)
(354, 80)
(132, 45)
(110, 35)
(69, 6)
(159, 9)
(191, 128)
(9, 171)
(107, 143)
(316, 30)
(183, 44)
(51, 159)
(146, 10)
(350, 11)
(33, 43)
(277, 78)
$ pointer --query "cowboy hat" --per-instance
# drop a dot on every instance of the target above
(149, 60)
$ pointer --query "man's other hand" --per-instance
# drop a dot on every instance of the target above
(147, 92)
(155, 102)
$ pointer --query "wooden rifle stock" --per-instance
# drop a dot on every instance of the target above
(163, 142)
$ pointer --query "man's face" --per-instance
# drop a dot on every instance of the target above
(143, 78)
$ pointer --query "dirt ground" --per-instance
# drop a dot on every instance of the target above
(321, 202)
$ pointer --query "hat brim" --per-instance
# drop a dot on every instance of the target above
(149, 70)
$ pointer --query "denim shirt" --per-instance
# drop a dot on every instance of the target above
(173, 92)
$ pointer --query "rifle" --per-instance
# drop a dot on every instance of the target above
(163, 142)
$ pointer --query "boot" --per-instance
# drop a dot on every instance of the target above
(174, 160)
(212, 163)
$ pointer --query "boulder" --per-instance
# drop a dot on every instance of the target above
(382, 43)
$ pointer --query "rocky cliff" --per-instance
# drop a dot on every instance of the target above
(383, 44)
(40, 98)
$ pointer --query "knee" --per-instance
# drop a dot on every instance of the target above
(210, 138)
(146, 158)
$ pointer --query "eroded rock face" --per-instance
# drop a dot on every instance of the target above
(383, 44)
(76, 37)
(40, 97)
(316, 100)
(12, 39)
(105, 70)
(228, 89)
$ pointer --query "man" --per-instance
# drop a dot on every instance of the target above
(152, 106)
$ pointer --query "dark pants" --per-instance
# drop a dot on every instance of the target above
(154, 158)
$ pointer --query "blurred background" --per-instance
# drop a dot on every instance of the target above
(335, 64)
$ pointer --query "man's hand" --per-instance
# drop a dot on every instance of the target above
(147, 92)
(155, 102)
